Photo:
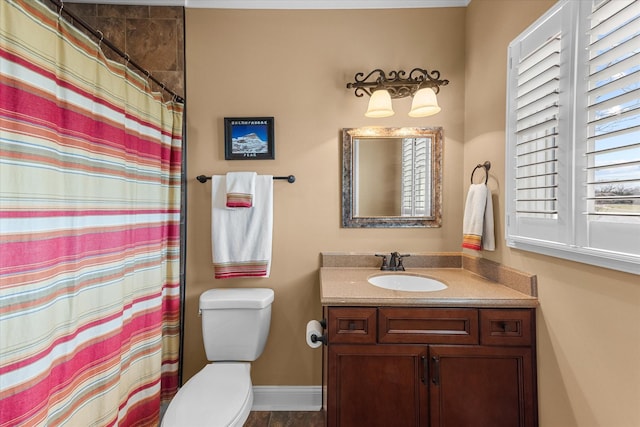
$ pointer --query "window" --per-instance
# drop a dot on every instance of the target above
(573, 134)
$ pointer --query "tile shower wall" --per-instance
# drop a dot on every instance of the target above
(152, 36)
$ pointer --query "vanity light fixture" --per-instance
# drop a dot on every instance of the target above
(380, 105)
(419, 83)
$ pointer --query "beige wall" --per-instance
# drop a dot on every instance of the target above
(294, 65)
(379, 177)
(589, 317)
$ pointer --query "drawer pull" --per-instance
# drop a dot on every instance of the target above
(509, 326)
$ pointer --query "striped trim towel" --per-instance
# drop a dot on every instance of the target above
(240, 189)
(241, 238)
(477, 226)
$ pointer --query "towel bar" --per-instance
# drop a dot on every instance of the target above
(291, 178)
(486, 165)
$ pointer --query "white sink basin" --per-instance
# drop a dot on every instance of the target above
(407, 282)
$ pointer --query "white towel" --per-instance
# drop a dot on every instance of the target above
(241, 238)
(241, 186)
(477, 226)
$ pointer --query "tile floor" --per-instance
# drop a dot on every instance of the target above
(285, 419)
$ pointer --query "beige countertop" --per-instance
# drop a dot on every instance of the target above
(348, 286)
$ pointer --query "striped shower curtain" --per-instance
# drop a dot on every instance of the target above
(90, 176)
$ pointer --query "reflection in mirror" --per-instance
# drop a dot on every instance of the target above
(391, 177)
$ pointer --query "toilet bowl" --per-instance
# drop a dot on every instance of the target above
(235, 326)
(219, 395)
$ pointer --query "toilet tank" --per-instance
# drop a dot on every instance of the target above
(235, 323)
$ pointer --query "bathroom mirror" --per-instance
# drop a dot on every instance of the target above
(391, 177)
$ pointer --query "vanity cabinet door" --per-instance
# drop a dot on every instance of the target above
(377, 385)
(482, 386)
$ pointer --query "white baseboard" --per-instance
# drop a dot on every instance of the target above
(287, 398)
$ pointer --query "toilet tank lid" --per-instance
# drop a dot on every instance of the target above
(236, 298)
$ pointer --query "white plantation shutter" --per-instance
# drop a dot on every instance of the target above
(573, 134)
(611, 194)
(422, 191)
(537, 105)
(416, 154)
(538, 183)
(407, 177)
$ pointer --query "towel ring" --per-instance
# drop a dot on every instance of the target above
(486, 165)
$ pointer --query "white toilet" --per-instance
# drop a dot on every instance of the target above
(235, 326)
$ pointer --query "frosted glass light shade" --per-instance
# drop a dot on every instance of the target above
(424, 103)
(380, 105)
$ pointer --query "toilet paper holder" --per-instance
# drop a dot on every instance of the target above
(322, 338)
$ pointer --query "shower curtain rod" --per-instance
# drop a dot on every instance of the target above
(98, 35)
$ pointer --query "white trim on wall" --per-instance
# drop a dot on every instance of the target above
(287, 398)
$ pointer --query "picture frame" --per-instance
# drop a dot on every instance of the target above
(249, 138)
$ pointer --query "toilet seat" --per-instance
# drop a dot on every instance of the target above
(220, 395)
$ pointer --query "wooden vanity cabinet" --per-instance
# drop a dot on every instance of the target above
(481, 386)
(445, 367)
(375, 385)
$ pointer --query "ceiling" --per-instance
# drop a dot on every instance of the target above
(291, 4)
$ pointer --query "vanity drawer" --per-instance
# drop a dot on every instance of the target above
(353, 325)
(506, 327)
(428, 325)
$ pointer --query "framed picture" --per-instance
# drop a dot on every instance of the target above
(248, 138)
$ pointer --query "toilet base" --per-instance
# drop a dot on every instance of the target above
(220, 395)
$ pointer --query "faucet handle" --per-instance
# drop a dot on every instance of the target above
(385, 265)
(400, 266)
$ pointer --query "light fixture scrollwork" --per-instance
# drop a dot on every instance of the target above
(422, 84)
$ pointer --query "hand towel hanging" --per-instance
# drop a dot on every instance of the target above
(241, 238)
(241, 187)
(477, 228)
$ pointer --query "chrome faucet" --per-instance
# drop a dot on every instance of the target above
(395, 264)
